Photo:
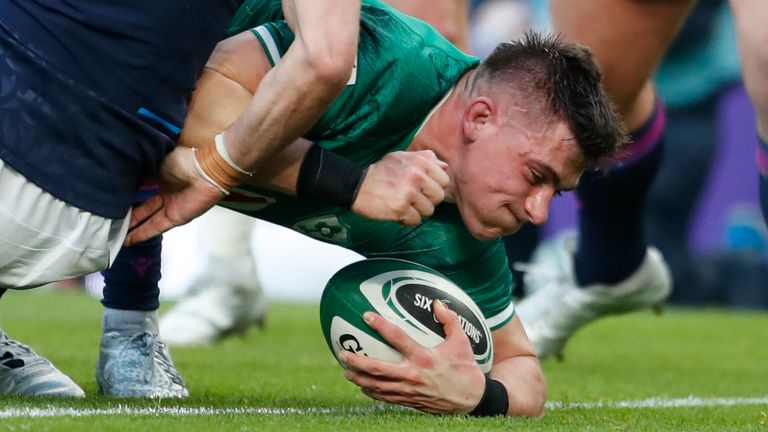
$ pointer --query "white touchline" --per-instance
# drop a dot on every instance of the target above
(52, 411)
(651, 403)
(688, 402)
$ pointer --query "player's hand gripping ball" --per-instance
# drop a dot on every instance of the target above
(402, 292)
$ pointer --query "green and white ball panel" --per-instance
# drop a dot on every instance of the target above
(344, 336)
(402, 292)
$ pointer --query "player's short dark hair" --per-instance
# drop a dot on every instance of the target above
(565, 78)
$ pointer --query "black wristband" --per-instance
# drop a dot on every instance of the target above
(328, 177)
(495, 401)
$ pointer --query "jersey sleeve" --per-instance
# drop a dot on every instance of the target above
(275, 38)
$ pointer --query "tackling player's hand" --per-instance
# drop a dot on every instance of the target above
(444, 379)
(403, 187)
(184, 195)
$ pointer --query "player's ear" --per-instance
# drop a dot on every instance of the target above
(478, 115)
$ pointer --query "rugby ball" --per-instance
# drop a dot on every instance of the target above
(402, 292)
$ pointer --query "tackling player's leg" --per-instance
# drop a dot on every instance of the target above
(44, 240)
(750, 16)
(133, 360)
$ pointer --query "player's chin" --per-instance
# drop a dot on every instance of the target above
(481, 227)
(487, 233)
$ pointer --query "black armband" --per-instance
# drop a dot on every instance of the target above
(328, 177)
(495, 400)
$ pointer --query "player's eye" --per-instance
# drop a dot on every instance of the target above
(536, 177)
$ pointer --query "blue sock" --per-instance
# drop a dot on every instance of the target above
(132, 281)
(612, 242)
(762, 164)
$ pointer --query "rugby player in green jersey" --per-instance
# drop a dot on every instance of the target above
(514, 131)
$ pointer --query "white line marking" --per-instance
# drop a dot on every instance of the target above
(52, 411)
(689, 402)
(652, 403)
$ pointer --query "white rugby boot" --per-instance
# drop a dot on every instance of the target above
(555, 311)
(24, 373)
(226, 299)
(551, 262)
(137, 364)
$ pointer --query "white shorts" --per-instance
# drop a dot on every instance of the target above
(43, 239)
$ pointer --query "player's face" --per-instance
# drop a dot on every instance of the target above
(509, 176)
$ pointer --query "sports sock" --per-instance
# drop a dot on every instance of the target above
(762, 164)
(611, 239)
(132, 281)
(229, 233)
(129, 322)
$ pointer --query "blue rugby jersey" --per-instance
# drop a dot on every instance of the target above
(93, 93)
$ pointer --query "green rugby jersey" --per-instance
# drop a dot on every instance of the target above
(404, 68)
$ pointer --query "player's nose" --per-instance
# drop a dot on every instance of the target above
(537, 205)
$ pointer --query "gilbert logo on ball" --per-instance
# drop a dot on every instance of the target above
(402, 292)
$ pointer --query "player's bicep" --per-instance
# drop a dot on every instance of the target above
(224, 89)
(242, 59)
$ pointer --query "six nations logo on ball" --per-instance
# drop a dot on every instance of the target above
(406, 296)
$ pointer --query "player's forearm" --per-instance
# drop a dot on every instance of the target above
(283, 108)
(525, 383)
(294, 94)
(518, 368)
(328, 30)
(280, 171)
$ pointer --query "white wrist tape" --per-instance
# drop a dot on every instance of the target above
(205, 176)
(222, 149)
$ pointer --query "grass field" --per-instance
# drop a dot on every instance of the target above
(698, 370)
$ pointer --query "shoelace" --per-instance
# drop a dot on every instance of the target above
(150, 344)
(8, 344)
(162, 358)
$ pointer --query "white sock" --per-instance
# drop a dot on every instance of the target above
(129, 321)
(229, 233)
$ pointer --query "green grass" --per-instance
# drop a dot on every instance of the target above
(701, 353)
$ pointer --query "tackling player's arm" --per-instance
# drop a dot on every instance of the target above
(446, 379)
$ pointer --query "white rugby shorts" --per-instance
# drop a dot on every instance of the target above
(43, 239)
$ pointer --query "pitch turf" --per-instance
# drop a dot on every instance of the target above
(698, 370)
